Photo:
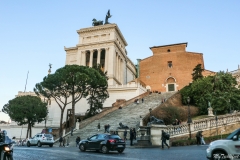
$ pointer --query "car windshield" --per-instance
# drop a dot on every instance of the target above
(230, 136)
(48, 135)
(114, 137)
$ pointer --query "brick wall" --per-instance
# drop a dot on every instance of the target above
(154, 70)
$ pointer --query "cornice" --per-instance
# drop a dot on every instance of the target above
(70, 48)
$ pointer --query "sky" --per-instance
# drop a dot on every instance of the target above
(34, 33)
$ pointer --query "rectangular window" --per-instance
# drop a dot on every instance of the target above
(171, 87)
(169, 64)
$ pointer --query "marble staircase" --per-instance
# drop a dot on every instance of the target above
(128, 115)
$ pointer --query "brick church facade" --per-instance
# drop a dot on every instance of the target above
(170, 67)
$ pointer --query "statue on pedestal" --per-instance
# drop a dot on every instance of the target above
(210, 110)
(154, 120)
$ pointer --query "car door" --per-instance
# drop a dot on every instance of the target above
(33, 140)
(92, 142)
(234, 146)
(100, 138)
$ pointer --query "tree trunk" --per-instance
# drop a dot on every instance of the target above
(30, 130)
(61, 119)
(73, 111)
(27, 131)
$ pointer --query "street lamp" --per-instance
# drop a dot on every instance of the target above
(189, 118)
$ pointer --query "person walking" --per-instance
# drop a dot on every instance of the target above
(134, 134)
(108, 128)
(131, 136)
(142, 100)
(78, 139)
(64, 141)
(198, 137)
(125, 135)
(60, 141)
(68, 140)
(98, 126)
(105, 127)
(164, 138)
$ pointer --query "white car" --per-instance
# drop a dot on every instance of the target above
(41, 139)
(228, 148)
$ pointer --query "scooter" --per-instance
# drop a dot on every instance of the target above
(6, 146)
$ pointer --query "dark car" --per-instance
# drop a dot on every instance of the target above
(103, 143)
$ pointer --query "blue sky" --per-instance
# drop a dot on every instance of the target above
(34, 33)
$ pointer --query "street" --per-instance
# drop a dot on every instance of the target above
(130, 153)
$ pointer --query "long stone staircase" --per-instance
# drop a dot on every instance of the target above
(129, 115)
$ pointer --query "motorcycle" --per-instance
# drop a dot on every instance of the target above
(6, 146)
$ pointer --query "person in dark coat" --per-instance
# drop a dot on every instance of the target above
(163, 138)
(199, 137)
(78, 139)
(98, 126)
(135, 134)
(60, 141)
(131, 136)
(125, 135)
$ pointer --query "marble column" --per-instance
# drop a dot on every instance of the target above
(106, 59)
(91, 58)
(98, 56)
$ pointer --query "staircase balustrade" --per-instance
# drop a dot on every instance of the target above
(203, 124)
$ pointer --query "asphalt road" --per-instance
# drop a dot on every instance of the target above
(72, 153)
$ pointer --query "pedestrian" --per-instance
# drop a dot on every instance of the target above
(60, 141)
(134, 134)
(131, 136)
(68, 140)
(142, 100)
(105, 127)
(202, 141)
(64, 141)
(125, 135)
(137, 101)
(198, 137)
(72, 131)
(164, 138)
(108, 128)
(98, 126)
(78, 139)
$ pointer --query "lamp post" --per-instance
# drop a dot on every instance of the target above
(189, 118)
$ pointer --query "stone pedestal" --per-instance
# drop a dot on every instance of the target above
(156, 134)
(210, 111)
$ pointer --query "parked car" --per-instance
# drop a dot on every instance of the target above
(228, 148)
(103, 142)
(41, 139)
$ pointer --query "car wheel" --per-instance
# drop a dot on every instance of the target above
(50, 145)
(82, 147)
(219, 155)
(120, 150)
(39, 144)
(105, 149)
(28, 144)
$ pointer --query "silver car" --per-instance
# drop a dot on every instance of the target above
(41, 139)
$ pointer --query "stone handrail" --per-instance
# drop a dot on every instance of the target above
(203, 124)
(111, 109)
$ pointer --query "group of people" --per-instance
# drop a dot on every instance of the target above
(107, 128)
(133, 135)
(137, 101)
(63, 141)
(200, 139)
